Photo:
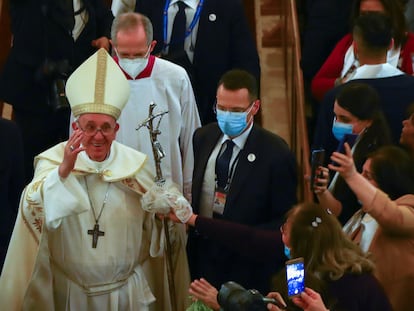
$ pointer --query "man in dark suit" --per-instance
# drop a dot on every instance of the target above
(11, 181)
(220, 40)
(257, 187)
(50, 39)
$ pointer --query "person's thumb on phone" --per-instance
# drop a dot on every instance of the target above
(310, 300)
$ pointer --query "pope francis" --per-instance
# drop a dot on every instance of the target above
(83, 239)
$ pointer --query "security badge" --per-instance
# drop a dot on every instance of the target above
(220, 195)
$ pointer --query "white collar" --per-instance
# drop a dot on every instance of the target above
(191, 3)
(98, 166)
(393, 57)
(384, 70)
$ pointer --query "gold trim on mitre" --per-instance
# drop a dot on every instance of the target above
(96, 108)
(107, 87)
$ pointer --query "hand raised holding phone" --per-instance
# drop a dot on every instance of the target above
(321, 181)
(349, 139)
(295, 276)
(345, 165)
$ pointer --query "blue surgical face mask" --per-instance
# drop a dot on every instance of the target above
(339, 129)
(232, 123)
(287, 252)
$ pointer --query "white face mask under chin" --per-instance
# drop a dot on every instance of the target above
(134, 66)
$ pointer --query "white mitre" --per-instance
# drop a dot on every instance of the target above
(98, 86)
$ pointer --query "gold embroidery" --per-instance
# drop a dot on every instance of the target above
(100, 78)
(32, 209)
(96, 108)
(134, 185)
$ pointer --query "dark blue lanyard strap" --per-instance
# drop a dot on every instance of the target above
(189, 29)
(233, 165)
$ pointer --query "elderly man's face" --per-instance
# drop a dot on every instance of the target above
(99, 130)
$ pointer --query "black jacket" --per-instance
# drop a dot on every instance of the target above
(39, 34)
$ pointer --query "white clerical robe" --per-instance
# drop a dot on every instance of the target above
(51, 264)
(168, 86)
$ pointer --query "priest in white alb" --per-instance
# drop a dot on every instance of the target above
(164, 83)
(83, 236)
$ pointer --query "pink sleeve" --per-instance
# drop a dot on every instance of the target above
(324, 79)
(396, 217)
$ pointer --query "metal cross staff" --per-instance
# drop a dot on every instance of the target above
(158, 154)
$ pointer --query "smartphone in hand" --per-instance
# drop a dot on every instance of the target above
(348, 138)
(318, 158)
(295, 276)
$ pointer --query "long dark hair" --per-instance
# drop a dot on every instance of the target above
(395, 10)
(363, 101)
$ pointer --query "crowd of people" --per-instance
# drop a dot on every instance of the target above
(139, 176)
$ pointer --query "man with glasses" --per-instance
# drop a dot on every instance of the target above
(242, 173)
(83, 239)
(155, 80)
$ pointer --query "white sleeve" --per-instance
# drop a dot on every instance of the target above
(62, 197)
(190, 122)
(122, 6)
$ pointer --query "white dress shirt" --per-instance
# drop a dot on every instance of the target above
(80, 19)
(209, 182)
(190, 11)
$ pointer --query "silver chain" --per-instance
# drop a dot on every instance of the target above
(103, 203)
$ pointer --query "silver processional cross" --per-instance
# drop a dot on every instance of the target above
(158, 154)
(154, 131)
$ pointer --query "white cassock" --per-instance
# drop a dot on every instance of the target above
(168, 86)
(51, 264)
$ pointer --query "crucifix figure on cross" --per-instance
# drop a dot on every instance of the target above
(158, 153)
(95, 234)
(154, 131)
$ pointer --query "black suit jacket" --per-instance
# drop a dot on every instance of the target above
(11, 181)
(260, 194)
(39, 34)
(223, 44)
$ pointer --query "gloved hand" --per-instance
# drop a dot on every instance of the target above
(161, 199)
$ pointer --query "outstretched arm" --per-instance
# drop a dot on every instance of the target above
(362, 188)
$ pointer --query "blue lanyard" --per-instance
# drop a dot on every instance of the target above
(231, 171)
(189, 29)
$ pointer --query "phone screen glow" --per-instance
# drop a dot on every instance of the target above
(295, 274)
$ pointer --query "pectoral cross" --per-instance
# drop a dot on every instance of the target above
(95, 235)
